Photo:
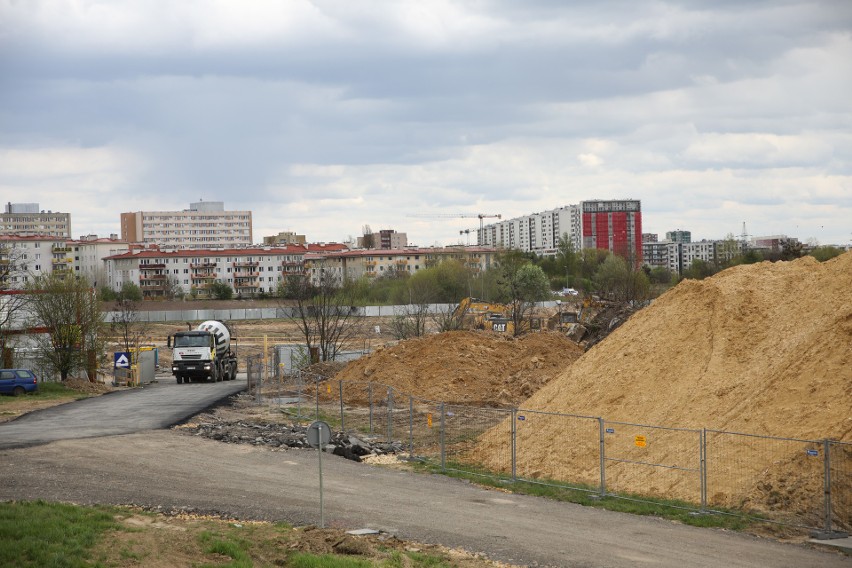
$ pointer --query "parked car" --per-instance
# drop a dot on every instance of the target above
(569, 292)
(17, 381)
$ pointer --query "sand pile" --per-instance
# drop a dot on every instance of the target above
(467, 367)
(763, 349)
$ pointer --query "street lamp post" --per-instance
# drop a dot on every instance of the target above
(559, 308)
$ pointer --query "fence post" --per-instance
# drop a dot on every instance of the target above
(340, 388)
(702, 467)
(603, 456)
(514, 444)
(443, 441)
(390, 414)
(827, 466)
(370, 398)
(410, 427)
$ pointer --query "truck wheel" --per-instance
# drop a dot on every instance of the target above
(179, 379)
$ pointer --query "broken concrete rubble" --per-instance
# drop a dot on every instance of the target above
(274, 435)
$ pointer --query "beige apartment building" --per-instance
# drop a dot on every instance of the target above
(28, 219)
(248, 271)
(205, 225)
(372, 263)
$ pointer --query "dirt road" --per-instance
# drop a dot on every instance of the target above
(173, 470)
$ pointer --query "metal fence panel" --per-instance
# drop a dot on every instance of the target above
(572, 443)
(781, 479)
(462, 427)
(653, 461)
(840, 485)
(425, 430)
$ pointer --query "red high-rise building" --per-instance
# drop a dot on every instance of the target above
(615, 226)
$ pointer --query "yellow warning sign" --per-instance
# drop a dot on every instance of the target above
(328, 389)
(429, 419)
(640, 441)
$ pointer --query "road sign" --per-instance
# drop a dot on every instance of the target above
(121, 360)
(640, 441)
(319, 434)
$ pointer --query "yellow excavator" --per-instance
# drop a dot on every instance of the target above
(478, 314)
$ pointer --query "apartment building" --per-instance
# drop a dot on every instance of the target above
(679, 256)
(284, 238)
(23, 257)
(28, 219)
(614, 225)
(249, 271)
(387, 239)
(354, 264)
(204, 225)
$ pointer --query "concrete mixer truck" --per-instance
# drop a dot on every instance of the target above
(203, 354)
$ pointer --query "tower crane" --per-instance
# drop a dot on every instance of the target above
(480, 216)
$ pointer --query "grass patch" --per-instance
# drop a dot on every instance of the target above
(672, 509)
(46, 391)
(51, 534)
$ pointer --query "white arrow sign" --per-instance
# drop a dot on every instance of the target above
(122, 360)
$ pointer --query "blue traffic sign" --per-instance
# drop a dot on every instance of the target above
(812, 452)
(121, 360)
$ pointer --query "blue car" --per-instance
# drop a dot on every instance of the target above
(17, 381)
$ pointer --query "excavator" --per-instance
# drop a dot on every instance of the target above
(478, 314)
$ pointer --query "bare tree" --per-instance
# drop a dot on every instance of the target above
(70, 311)
(13, 301)
(369, 238)
(323, 312)
(126, 321)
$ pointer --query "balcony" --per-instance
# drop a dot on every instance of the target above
(151, 266)
(245, 285)
(203, 265)
(209, 276)
(153, 278)
(246, 264)
(60, 248)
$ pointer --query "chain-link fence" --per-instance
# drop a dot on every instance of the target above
(803, 483)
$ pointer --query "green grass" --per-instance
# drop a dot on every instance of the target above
(672, 509)
(50, 534)
(46, 391)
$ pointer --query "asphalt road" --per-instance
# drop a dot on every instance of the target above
(166, 468)
(158, 405)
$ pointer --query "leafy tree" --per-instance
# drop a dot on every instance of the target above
(617, 281)
(323, 312)
(791, 249)
(221, 291)
(825, 253)
(523, 284)
(130, 292)
(661, 275)
(699, 270)
(71, 312)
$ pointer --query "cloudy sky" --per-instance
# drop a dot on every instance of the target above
(324, 116)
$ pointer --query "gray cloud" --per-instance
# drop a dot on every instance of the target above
(324, 116)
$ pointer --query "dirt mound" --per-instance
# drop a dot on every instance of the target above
(763, 349)
(468, 367)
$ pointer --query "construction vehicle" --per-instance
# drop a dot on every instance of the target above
(203, 353)
(477, 314)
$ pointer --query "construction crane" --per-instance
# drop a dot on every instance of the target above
(480, 216)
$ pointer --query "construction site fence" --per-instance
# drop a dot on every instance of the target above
(788, 481)
(284, 312)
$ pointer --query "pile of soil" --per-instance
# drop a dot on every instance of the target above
(762, 349)
(468, 367)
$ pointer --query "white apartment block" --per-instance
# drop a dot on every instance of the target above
(374, 263)
(249, 271)
(27, 219)
(205, 225)
(539, 232)
(678, 256)
(24, 257)
(37, 255)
